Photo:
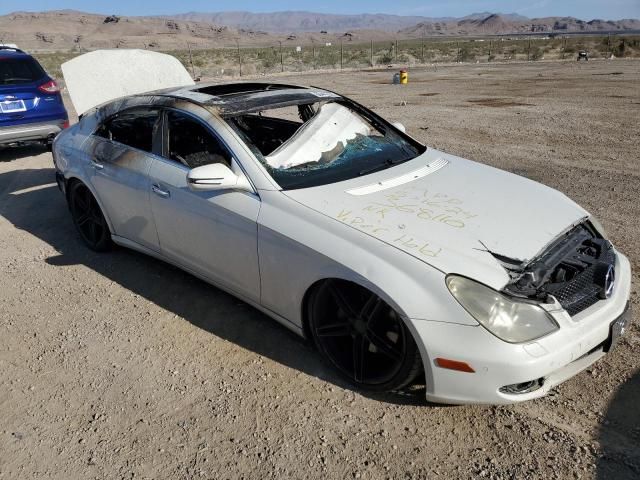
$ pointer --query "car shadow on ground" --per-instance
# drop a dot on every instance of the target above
(31, 203)
(619, 434)
(8, 154)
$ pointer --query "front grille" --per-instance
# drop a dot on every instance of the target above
(582, 291)
(576, 269)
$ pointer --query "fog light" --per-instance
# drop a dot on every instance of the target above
(524, 387)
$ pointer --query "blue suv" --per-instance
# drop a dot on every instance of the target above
(31, 107)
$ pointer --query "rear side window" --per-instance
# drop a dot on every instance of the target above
(134, 128)
(14, 71)
(192, 144)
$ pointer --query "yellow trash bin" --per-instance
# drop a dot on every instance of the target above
(404, 77)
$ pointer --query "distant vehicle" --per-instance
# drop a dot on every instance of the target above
(394, 258)
(583, 55)
(31, 107)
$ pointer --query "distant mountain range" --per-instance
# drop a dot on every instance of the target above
(283, 22)
(68, 29)
(504, 24)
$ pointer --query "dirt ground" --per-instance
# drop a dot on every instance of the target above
(119, 366)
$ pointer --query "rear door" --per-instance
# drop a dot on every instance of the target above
(27, 94)
(121, 153)
(212, 233)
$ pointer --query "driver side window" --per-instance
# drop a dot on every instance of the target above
(191, 144)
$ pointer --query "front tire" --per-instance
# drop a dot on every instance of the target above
(362, 337)
(88, 218)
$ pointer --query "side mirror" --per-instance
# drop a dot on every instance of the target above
(399, 126)
(215, 176)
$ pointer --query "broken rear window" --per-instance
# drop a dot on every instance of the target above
(314, 144)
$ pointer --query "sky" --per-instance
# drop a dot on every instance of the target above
(584, 9)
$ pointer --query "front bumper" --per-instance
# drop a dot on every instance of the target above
(580, 341)
(29, 132)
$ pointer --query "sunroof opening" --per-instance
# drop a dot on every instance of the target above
(230, 89)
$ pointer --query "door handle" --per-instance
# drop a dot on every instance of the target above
(97, 162)
(159, 191)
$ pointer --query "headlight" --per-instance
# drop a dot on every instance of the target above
(506, 318)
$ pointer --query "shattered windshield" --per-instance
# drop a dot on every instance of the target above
(324, 142)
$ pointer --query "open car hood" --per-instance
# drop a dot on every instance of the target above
(104, 75)
(454, 214)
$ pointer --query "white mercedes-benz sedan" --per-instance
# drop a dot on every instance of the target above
(393, 258)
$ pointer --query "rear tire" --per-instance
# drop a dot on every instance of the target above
(88, 218)
(362, 337)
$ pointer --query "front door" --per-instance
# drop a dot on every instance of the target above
(211, 233)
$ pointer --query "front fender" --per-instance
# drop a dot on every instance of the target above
(297, 247)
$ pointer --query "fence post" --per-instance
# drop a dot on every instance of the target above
(281, 57)
(564, 45)
(458, 54)
(396, 51)
(609, 45)
(490, 45)
(529, 50)
(193, 74)
(422, 49)
(313, 55)
(239, 58)
(341, 55)
(371, 54)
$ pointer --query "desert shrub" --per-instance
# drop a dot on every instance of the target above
(386, 58)
(536, 53)
(466, 55)
(620, 49)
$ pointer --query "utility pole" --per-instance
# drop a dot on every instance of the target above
(422, 49)
(396, 51)
(490, 45)
(564, 45)
(609, 45)
(341, 55)
(458, 54)
(313, 54)
(281, 57)
(529, 50)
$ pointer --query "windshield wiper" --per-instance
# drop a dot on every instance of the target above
(387, 163)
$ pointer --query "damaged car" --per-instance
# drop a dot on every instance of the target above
(395, 259)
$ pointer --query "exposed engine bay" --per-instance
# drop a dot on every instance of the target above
(577, 270)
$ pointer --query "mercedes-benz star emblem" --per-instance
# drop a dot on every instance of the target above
(609, 281)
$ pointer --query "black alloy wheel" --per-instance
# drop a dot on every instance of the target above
(362, 337)
(88, 218)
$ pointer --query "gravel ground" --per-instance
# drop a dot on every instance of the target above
(119, 366)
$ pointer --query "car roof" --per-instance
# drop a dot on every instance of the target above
(246, 97)
(11, 52)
